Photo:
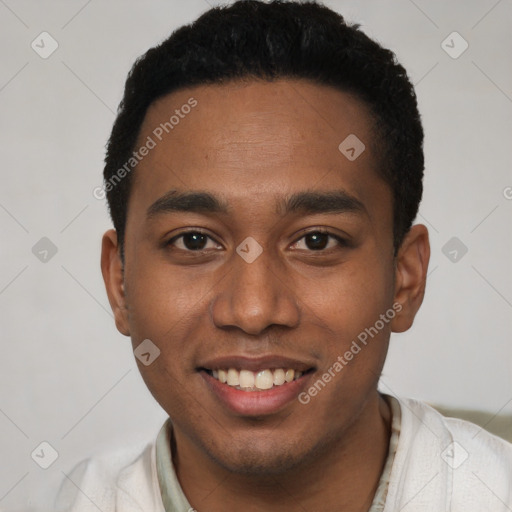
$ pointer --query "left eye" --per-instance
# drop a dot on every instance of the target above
(318, 241)
(192, 241)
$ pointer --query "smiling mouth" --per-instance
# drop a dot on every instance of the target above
(262, 380)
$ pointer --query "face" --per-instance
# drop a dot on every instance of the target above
(257, 252)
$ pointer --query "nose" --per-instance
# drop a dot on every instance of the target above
(254, 296)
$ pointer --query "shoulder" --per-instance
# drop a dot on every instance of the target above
(480, 445)
(461, 464)
(113, 481)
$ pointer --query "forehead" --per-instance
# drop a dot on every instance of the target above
(257, 139)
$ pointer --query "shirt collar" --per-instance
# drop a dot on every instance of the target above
(174, 499)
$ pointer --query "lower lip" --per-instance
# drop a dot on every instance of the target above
(256, 403)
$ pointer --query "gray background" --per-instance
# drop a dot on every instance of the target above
(69, 378)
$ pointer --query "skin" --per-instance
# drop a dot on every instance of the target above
(253, 144)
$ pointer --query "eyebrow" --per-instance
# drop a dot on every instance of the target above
(200, 202)
(301, 202)
(337, 201)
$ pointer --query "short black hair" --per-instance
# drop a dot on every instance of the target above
(252, 39)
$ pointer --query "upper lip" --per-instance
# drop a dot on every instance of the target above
(255, 364)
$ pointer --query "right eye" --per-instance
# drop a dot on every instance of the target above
(192, 241)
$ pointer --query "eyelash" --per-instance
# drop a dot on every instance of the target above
(341, 241)
(181, 235)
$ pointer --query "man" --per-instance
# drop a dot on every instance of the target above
(263, 175)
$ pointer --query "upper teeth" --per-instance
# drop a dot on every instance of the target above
(263, 379)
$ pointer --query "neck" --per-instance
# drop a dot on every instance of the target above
(344, 477)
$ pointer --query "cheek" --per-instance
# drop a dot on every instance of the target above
(165, 307)
(351, 298)
(349, 309)
(161, 301)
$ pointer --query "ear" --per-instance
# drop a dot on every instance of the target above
(113, 276)
(411, 276)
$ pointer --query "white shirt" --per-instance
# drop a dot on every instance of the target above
(434, 464)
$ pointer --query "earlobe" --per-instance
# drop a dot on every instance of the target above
(112, 270)
(410, 276)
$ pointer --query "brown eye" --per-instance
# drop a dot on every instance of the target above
(194, 241)
(316, 241)
(319, 241)
(191, 241)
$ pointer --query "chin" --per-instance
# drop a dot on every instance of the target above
(251, 462)
(262, 459)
